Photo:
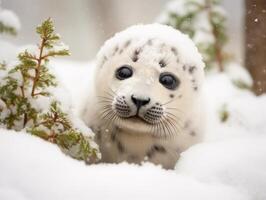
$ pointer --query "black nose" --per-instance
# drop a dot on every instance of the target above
(140, 102)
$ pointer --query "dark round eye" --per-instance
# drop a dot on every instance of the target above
(169, 81)
(124, 72)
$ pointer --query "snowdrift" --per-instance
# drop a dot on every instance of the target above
(229, 164)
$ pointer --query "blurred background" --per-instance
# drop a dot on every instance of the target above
(85, 24)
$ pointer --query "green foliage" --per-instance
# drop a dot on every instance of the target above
(224, 114)
(189, 22)
(7, 29)
(183, 22)
(30, 80)
(242, 85)
(62, 133)
(3, 66)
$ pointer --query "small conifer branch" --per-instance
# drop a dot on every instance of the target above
(25, 118)
(29, 56)
(212, 50)
(37, 70)
(7, 29)
(22, 89)
(16, 94)
(2, 66)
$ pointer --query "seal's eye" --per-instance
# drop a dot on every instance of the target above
(124, 72)
(169, 81)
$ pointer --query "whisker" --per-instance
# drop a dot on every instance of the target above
(105, 99)
(175, 123)
(113, 91)
(168, 102)
(172, 124)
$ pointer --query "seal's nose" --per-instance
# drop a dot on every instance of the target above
(140, 101)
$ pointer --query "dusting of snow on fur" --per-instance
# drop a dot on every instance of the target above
(140, 36)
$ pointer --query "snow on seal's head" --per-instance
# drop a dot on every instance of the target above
(143, 71)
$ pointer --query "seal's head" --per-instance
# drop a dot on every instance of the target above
(148, 77)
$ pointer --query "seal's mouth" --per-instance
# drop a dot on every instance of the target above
(136, 119)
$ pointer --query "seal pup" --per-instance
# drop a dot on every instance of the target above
(147, 102)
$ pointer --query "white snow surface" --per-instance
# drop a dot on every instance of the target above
(9, 18)
(34, 169)
(229, 165)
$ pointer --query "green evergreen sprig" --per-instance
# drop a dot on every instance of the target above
(4, 29)
(213, 52)
(2, 66)
(62, 133)
(29, 80)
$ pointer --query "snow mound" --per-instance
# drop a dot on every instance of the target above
(228, 165)
(7, 51)
(239, 163)
(246, 112)
(35, 169)
(9, 18)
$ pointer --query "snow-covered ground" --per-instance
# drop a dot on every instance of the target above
(229, 164)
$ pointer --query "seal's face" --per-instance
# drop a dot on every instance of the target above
(144, 87)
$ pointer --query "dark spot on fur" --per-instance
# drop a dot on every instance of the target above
(187, 124)
(97, 132)
(120, 147)
(137, 51)
(195, 88)
(173, 49)
(172, 95)
(127, 43)
(150, 42)
(159, 148)
(193, 133)
(191, 69)
(115, 50)
(154, 149)
(184, 67)
(121, 51)
(98, 136)
(135, 56)
(117, 129)
(113, 137)
(193, 80)
(162, 63)
(150, 153)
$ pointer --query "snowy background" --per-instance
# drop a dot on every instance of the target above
(86, 24)
(229, 165)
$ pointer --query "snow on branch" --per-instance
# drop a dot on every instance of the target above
(25, 87)
(9, 22)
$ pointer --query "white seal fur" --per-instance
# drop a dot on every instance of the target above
(151, 110)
